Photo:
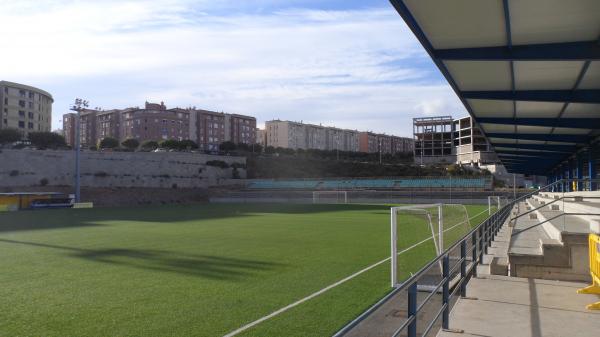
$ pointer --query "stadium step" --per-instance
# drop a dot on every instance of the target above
(495, 262)
(550, 244)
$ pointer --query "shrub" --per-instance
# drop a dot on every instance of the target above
(43, 182)
(171, 144)
(14, 173)
(150, 145)
(47, 140)
(108, 143)
(187, 145)
(217, 163)
(131, 143)
(227, 146)
(9, 136)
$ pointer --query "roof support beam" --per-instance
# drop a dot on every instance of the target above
(575, 123)
(573, 96)
(538, 147)
(580, 139)
(530, 154)
(587, 50)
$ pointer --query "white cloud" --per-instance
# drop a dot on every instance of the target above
(354, 68)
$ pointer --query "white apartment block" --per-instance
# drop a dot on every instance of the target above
(294, 135)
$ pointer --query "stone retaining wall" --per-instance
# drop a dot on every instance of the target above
(115, 169)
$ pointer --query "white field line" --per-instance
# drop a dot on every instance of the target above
(331, 286)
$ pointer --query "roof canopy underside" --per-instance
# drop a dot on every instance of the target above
(528, 71)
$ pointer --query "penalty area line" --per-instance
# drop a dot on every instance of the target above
(331, 286)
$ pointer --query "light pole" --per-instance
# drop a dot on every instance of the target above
(337, 147)
(78, 106)
(380, 161)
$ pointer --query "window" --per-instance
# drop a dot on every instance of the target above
(30, 114)
(22, 93)
(30, 126)
(31, 95)
(21, 124)
(21, 113)
(22, 104)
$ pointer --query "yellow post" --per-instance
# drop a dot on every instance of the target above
(594, 270)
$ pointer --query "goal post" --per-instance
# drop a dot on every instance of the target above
(496, 200)
(336, 197)
(420, 233)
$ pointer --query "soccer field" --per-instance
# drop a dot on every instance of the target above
(202, 270)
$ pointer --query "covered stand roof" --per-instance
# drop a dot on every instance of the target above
(528, 71)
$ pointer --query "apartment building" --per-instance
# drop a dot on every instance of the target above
(373, 142)
(240, 129)
(286, 134)
(368, 142)
(156, 122)
(402, 145)
(211, 129)
(296, 135)
(261, 137)
(25, 108)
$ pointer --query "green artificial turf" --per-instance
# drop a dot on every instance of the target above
(200, 270)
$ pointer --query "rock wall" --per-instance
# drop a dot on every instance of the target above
(115, 169)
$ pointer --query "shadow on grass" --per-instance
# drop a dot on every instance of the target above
(206, 266)
(71, 218)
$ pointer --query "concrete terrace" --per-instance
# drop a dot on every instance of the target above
(501, 306)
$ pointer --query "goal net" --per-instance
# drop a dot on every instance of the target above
(330, 197)
(419, 233)
(496, 202)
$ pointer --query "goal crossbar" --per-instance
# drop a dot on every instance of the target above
(457, 217)
(316, 196)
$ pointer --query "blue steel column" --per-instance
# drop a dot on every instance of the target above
(567, 176)
(592, 169)
(579, 172)
(562, 176)
(570, 165)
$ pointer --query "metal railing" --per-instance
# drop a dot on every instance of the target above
(466, 254)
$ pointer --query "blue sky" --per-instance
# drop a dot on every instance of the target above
(351, 64)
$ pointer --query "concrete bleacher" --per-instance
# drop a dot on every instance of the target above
(352, 184)
(551, 242)
(533, 270)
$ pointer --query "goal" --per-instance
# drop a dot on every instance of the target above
(330, 197)
(419, 233)
(496, 200)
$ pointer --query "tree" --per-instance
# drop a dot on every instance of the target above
(227, 146)
(131, 143)
(150, 145)
(47, 140)
(187, 145)
(171, 144)
(108, 143)
(244, 147)
(9, 136)
(257, 148)
(269, 150)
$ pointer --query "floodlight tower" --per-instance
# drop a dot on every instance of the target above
(79, 106)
